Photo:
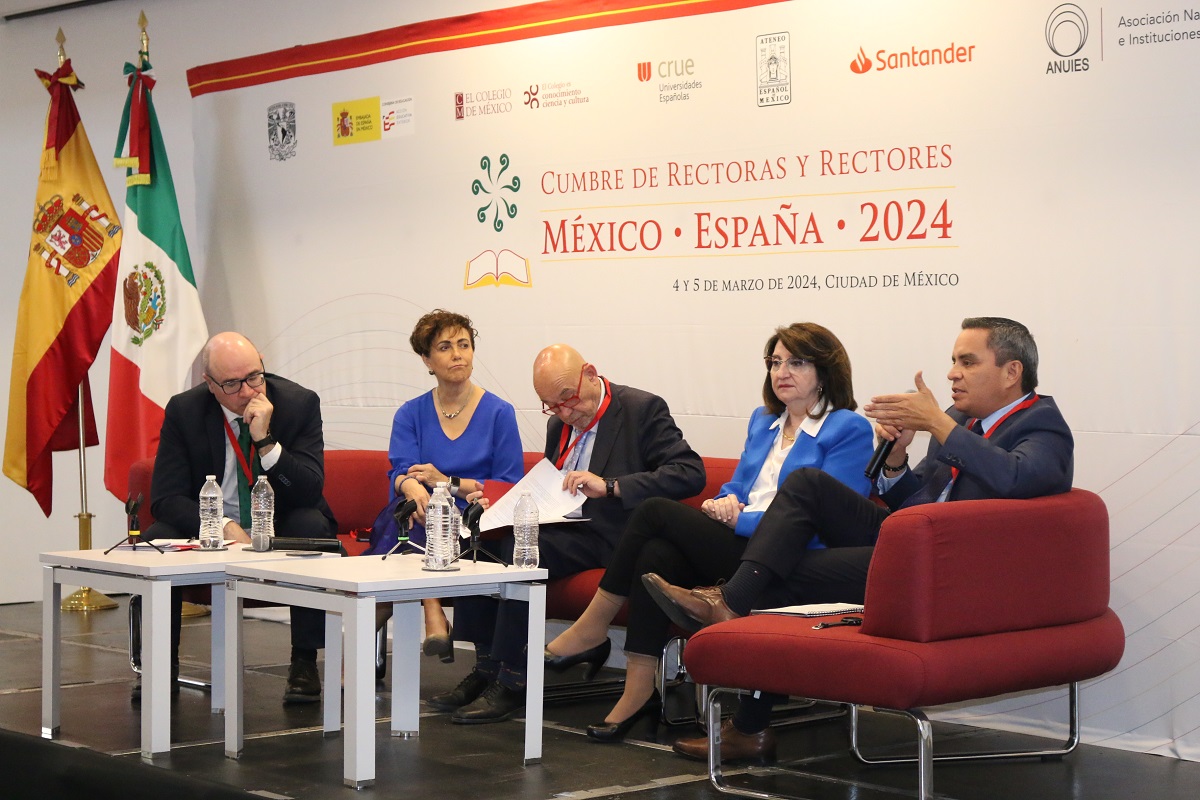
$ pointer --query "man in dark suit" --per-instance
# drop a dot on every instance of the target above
(617, 446)
(999, 439)
(279, 423)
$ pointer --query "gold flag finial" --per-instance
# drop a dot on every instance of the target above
(61, 38)
(145, 53)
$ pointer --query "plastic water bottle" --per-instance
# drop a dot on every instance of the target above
(262, 514)
(212, 509)
(439, 529)
(525, 533)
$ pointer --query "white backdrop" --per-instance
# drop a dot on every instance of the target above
(1052, 187)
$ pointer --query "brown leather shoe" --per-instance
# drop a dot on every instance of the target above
(735, 745)
(689, 609)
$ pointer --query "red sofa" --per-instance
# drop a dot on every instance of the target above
(964, 601)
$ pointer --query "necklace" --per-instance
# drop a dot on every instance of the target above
(454, 414)
(787, 438)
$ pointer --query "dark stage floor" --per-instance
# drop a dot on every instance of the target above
(286, 755)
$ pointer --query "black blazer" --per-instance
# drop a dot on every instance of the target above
(192, 442)
(639, 444)
(1030, 455)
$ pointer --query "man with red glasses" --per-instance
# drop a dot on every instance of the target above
(240, 423)
(618, 446)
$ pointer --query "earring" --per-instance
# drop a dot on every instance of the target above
(820, 391)
(430, 372)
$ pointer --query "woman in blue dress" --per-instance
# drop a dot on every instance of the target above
(807, 420)
(457, 433)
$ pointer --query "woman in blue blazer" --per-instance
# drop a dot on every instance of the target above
(807, 420)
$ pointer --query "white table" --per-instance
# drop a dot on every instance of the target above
(151, 574)
(351, 587)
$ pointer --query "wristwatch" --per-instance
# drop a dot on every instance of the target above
(266, 441)
(454, 484)
(610, 485)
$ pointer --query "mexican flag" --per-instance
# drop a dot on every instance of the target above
(68, 291)
(158, 326)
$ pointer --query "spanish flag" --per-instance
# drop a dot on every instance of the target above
(66, 302)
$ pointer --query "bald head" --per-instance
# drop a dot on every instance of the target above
(567, 383)
(231, 356)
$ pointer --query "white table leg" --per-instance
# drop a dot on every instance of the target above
(331, 697)
(234, 660)
(51, 653)
(358, 622)
(535, 672)
(406, 669)
(156, 668)
(217, 665)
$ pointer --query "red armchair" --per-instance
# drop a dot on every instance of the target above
(964, 601)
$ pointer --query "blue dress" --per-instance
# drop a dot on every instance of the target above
(489, 448)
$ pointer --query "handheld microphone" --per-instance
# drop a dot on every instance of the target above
(875, 465)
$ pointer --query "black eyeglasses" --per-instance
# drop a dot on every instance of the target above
(793, 364)
(253, 380)
(550, 409)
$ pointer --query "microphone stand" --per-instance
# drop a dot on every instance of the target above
(402, 513)
(134, 528)
(470, 519)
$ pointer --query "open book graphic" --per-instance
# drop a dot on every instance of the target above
(490, 268)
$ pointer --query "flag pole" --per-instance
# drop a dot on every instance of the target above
(85, 598)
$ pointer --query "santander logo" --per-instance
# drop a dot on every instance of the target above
(861, 64)
(913, 57)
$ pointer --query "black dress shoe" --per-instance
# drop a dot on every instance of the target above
(497, 703)
(303, 683)
(465, 693)
(593, 657)
(135, 695)
(616, 731)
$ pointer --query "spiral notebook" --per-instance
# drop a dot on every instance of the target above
(812, 610)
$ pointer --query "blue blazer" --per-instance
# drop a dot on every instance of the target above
(841, 448)
(1030, 455)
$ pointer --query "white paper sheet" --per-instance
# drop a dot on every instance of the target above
(544, 482)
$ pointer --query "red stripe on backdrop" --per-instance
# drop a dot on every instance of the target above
(51, 392)
(134, 422)
(452, 33)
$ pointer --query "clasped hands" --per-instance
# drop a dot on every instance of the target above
(725, 509)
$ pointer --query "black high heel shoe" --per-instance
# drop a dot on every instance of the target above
(616, 731)
(593, 657)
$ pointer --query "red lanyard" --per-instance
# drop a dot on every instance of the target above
(566, 432)
(988, 433)
(237, 449)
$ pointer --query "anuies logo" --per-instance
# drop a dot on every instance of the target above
(1066, 34)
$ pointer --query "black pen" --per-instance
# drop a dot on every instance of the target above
(845, 621)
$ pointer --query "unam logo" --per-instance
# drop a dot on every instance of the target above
(1066, 34)
(861, 64)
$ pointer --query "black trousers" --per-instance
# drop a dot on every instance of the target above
(499, 627)
(812, 504)
(308, 624)
(681, 544)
